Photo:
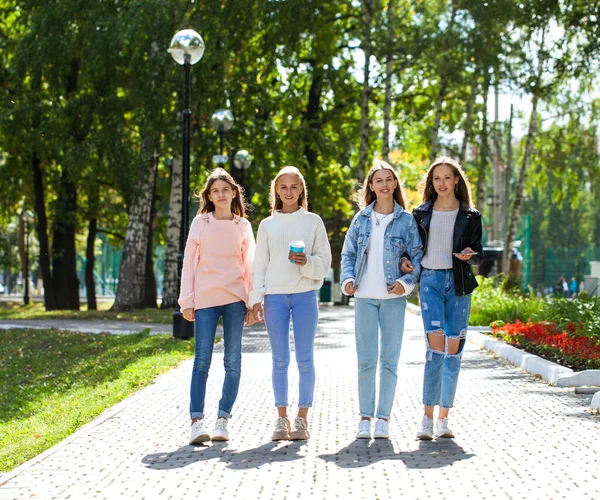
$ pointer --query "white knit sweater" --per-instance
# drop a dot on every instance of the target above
(272, 272)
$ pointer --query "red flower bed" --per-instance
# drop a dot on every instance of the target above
(567, 347)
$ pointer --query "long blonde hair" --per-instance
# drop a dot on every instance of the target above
(276, 203)
(238, 204)
(462, 190)
(366, 196)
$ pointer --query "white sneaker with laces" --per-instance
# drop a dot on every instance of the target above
(382, 429)
(364, 430)
(282, 429)
(441, 428)
(221, 433)
(426, 432)
(198, 433)
(300, 430)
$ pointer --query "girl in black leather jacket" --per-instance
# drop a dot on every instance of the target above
(451, 232)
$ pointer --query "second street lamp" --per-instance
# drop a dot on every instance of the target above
(221, 121)
(242, 160)
(187, 48)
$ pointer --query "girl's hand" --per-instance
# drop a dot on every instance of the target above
(406, 266)
(298, 258)
(350, 288)
(250, 319)
(397, 288)
(257, 311)
(188, 314)
(466, 254)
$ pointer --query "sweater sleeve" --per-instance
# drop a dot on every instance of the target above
(318, 263)
(259, 266)
(191, 258)
(248, 249)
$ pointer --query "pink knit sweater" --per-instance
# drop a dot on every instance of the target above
(217, 261)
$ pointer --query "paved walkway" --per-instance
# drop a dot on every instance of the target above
(516, 437)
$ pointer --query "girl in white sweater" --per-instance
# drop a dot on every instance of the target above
(287, 282)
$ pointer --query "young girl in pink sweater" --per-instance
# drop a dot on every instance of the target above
(215, 283)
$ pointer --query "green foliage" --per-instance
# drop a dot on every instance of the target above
(54, 382)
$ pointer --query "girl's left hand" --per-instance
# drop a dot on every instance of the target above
(250, 319)
(466, 254)
(298, 258)
(396, 288)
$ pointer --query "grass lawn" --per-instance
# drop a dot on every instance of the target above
(53, 382)
(35, 310)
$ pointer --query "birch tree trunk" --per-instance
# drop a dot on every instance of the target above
(366, 93)
(170, 282)
(469, 118)
(484, 147)
(519, 193)
(439, 103)
(387, 105)
(132, 274)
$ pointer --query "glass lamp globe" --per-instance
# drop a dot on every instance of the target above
(187, 44)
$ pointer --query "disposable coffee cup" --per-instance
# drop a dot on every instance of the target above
(296, 246)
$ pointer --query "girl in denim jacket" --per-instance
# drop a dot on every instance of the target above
(377, 238)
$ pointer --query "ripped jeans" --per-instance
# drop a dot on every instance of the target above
(444, 316)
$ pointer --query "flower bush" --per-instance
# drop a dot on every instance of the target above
(571, 346)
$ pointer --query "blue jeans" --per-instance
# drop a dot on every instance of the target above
(304, 311)
(379, 326)
(444, 314)
(206, 326)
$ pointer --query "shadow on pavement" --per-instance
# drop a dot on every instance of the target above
(429, 455)
(247, 459)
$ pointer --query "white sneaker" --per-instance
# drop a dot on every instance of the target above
(220, 433)
(300, 430)
(198, 433)
(364, 430)
(426, 432)
(441, 428)
(282, 429)
(382, 429)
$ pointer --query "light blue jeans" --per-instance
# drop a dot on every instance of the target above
(379, 326)
(206, 326)
(304, 312)
(443, 314)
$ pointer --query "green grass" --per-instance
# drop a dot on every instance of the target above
(53, 382)
(16, 310)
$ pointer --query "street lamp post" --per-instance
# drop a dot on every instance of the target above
(221, 121)
(242, 160)
(27, 219)
(187, 48)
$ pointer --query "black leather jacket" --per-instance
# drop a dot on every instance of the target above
(467, 233)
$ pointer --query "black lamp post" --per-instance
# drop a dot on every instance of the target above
(27, 219)
(187, 48)
(242, 160)
(221, 121)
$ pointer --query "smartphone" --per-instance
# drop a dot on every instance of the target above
(464, 253)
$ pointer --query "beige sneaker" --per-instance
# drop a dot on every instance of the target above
(300, 431)
(282, 429)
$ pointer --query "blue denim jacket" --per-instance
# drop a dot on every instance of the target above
(401, 236)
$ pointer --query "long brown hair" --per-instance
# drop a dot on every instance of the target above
(462, 190)
(365, 194)
(276, 203)
(238, 204)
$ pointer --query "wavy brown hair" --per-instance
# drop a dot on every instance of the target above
(276, 203)
(366, 195)
(238, 204)
(462, 190)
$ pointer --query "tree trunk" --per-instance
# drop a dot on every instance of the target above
(170, 284)
(484, 147)
(435, 133)
(519, 193)
(313, 124)
(507, 175)
(150, 297)
(366, 93)
(64, 254)
(469, 118)
(130, 289)
(387, 104)
(90, 260)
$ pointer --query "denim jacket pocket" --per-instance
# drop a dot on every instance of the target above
(398, 246)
